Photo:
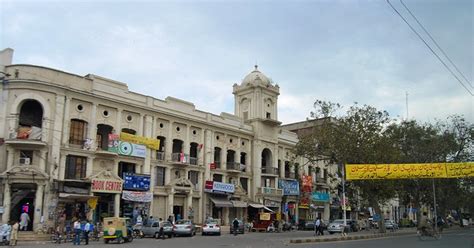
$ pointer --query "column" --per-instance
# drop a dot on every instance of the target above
(38, 206)
(225, 216)
(118, 123)
(92, 127)
(10, 157)
(42, 160)
(199, 212)
(62, 167)
(148, 133)
(167, 175)
(189, 204)
(170, 203)
(169, 142)
(117, 205)
(208, 154)
(140, 131)
(67, 121)
(89, 166)
(6, 203)
(224, 154)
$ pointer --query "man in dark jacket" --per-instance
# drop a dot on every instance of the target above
(235, 225)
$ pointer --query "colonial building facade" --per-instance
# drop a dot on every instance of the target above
(86, 146)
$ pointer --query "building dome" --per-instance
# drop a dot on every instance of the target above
(256, 78)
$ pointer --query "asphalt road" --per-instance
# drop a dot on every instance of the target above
(452, 239)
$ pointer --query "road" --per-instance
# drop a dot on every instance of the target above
(452, 239)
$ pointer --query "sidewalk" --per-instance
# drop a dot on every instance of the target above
(354, 236)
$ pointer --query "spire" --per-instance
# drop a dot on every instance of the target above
(256, 67)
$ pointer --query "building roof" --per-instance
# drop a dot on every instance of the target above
(256, 77)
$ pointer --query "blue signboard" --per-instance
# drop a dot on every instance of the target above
(320, 197)
(289, 187)
(136, 182)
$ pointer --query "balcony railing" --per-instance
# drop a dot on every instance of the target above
(270, 170)
(180, 158)
(160, 155)
(235, 166)
(321, 180)
(270, 191)
(193, 160)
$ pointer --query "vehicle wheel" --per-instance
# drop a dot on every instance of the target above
(119, 240)
(130, 239)
(170, 236)
(203, 234)
(157, 235)
(106, 241)
(219, 234)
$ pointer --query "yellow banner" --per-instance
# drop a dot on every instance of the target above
(400, 171)
(149, 142)
(92, 202)
(460, 170)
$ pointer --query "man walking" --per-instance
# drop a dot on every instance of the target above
(14, 234)
(77, 232)
(235, 225)
(317, 224)
(24, 220)
(87, 230)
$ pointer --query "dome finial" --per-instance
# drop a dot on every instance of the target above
(256, 67)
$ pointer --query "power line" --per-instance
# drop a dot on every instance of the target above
(436, 43)
(432, 51)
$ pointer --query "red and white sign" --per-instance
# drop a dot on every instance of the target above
(106, 186)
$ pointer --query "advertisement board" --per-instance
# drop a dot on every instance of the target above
(149, 142)
(401, 171)
(320, 197)
(136, 182)
(289, 187)
(137, 196)
(212, 186)
(106, 185)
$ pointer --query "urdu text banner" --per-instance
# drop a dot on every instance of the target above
(401, 171)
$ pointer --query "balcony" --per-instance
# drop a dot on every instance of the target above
(160, 155)
(215, 165)
(105, 152)
(267, 191)
(321, 180)
(235, 167)
(180, 158)
(26, 137)
(290, 175)
(193, 161)
(271, 171)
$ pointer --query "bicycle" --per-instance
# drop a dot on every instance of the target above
(425, 233)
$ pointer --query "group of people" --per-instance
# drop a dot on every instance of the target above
(9, 233)
(82, 229)
(318, 227)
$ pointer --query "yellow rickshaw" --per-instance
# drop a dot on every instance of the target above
(119, 229)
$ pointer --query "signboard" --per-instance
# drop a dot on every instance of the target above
(113, 142)
(212, 186)
(289, 187)
(149, 142)
(265, 216)
(136, 182)
(106, 186)
(137, 196)
(130, 149)
(270, 203)
(304, 203)
(400, 171)
(320, 197)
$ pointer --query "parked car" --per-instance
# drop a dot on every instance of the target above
(211, 227)
(309, 225)
(240, 229)
(184, 227)
(338, 226)
(390, 224)
(152, 229)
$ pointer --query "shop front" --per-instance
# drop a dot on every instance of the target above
(107, 187)
(291, 191)
(136, 196)
(219, 195)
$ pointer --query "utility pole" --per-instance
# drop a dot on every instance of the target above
(344, 195)
(434, 208)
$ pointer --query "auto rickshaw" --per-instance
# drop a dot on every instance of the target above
(119, 229)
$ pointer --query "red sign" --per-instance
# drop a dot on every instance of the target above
(209, 186)
(212, 166)
(106, 186)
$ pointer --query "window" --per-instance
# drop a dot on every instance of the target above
(75, 167)
(217, 178)
(77, 132)
(160, 176)
(125, 168)
(193, 176)
(244, 183)
(268, 115)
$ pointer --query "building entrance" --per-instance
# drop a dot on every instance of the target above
(22, 201)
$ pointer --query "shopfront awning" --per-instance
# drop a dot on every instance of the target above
(257, 205)
(75, 196)
(239, 204)
(221, 202)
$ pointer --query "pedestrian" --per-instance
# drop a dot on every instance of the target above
(317, 223)
(161, 231)
(235, 225)
(77, 232)
(170, 219)
(321, 228)
(24, 220)
(135, 215)
(87, 230)
(14, 234)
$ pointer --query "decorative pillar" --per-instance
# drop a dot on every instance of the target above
(169, 143)
(42, 160)
(62, 167)
(67, 101)
(89, 166)
(117, 205)
(10, 157)
(38, 207)
(118, 123)
(92, 127)
(189, 204)
(147, 133)
(170, 204)
(6, 203)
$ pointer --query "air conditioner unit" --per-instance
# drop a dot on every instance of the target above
(25, 161)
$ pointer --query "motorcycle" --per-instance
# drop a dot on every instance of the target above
(137, 231)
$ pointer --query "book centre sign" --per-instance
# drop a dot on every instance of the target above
(106, 186)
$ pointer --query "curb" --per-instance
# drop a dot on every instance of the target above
(343, 238)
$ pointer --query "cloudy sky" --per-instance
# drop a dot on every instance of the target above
(339, 51)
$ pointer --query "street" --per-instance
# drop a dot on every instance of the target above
(452, 238)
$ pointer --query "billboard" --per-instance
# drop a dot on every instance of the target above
(149, 142)
(320, 197)
(289, 187)
(402, 171)
(136, 182)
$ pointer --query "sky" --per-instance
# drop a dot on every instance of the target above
(343, 51)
